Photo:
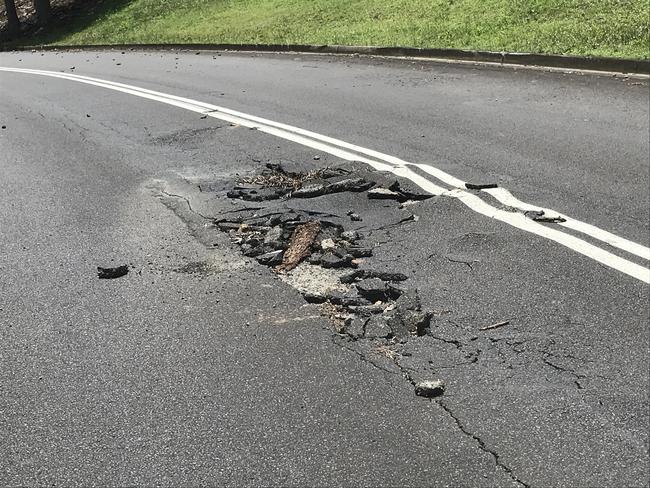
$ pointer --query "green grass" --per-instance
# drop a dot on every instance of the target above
(618, 28)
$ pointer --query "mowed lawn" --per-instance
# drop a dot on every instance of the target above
(617, 28)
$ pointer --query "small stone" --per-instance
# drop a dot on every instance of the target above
(327, 244)
(355, 217)
(429, 388)
(350, 235)
(372, 289)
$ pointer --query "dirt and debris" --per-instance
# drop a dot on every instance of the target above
(112, 273)
(295, 238)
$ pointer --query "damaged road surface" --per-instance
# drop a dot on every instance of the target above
(187, 301)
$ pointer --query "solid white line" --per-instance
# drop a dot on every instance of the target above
(352, 152)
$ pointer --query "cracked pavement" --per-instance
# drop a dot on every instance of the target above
(201, 366)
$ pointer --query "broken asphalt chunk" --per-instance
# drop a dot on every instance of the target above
(112, 273)
(377, 328)
(485, 186)
(361, 274)
(317, 190)
(331, 260)
(345, 300)
(355, 327)
(360, 252)
(272, 258)
(540, 216)
(372, 289)
(429, 388)
(409, 195)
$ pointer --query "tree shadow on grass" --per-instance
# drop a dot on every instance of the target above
(68, 17)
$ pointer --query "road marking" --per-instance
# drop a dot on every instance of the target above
(397, 166)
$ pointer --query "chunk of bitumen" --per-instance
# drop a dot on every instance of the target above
(480, 186)
(387, 276)
(360, 252)
(346, 300)
(417, 322)
(394, 290)
(377, 328)
(361, 274)
(270, 258)
(331, 260)
(274, 238)
(355, 327)
(413, 194)
(225, 226)
(112, 273)
(274, 220)
(429, 388)
(372, 289)
(289, 217)
(367, 310)
(352, 276)
(310, 191)
(314, 298)
(409, 300)
(252, 251)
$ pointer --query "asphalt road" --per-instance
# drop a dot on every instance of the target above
(226, 376)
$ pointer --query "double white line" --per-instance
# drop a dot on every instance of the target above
(455, 188)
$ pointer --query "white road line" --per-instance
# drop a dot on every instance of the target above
(507, 198)
(352, 152)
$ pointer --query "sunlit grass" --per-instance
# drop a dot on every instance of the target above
(588, 27)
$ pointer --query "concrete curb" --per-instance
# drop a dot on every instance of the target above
(634, 66)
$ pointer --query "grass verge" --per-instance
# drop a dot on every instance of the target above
(616, 28)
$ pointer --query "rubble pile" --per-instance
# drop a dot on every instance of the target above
(369, 304)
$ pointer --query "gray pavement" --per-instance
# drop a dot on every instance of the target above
(226, 376)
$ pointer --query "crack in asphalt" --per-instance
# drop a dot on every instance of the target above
(482, 445)
(406, 373)
(360, 354)
(189, 205)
